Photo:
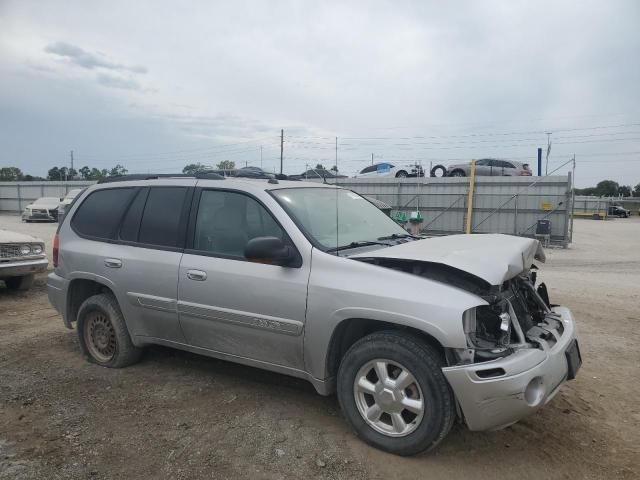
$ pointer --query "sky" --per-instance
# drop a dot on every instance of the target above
(157, 85)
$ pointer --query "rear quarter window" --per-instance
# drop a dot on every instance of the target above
(98, 216)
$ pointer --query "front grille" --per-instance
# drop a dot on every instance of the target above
(10, 251)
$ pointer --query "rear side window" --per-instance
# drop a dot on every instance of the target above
(100, 213)
(162, 216)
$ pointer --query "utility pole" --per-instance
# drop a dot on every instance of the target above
(260, 156)
(281, 148)
(336, 159)
(372, 158)
(72, 162)
(546, 168)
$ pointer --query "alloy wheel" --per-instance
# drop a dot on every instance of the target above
(388, 398)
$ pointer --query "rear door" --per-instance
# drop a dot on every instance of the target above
(228, 304)
(151, 242)
(482, 167)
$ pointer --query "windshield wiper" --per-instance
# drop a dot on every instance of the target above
(359, 243)
(394, 236)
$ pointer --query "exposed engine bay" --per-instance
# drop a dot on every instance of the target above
(518, 315)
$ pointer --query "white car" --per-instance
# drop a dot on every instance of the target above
(21, 257)
(386, 169)
(66, 201)
(44, 208)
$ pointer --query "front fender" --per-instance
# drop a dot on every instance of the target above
(341, 288)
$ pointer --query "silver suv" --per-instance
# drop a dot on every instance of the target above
(313, 281)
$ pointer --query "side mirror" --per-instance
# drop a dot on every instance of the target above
(271, 250)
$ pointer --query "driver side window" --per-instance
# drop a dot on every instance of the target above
(226, 221)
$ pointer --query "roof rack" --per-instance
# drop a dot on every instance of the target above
(156, 176)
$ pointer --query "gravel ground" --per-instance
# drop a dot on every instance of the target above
(178, 415)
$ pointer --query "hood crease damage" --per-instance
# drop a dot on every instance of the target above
(472, 262)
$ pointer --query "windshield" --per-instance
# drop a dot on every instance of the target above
(357, 220)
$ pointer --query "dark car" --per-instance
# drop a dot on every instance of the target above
(316, 173)
(618, 211)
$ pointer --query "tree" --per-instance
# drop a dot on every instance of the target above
(607, 188)
(636, 190)
(193, 168)
(319, 166)
(10, 174)
(85, 172)
(97, 174)
(226, 165)
(334, 168)
(118, 170)
(624, 190)
(53, 174)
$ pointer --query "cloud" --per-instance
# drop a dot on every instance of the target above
(84, 59)
(111, 81)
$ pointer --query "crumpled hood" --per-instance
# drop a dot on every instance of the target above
(493, 257)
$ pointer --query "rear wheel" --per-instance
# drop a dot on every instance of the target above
(392, 391)
(402, 174)
(458, 173)
(104, 338)
(20, 283)
(439, 168)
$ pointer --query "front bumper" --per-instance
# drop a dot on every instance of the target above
(44, 215)
(23, 267)
(531, 378)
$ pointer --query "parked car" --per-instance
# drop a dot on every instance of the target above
(66, 201)
(315, 173)
(246, 172)
(44, 208)
(21, 257)
(618, 211)
(491, 167)
(386, 169)
(410, 333)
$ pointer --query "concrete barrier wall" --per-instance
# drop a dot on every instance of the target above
(14, 196)
(510, 205)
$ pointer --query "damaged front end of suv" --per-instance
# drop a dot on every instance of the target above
(519, 348)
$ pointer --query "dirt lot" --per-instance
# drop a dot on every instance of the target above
(178, 415)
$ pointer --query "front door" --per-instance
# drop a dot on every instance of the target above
(230, 305)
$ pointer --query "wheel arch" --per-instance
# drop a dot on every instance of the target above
(350, 330)
(82, 287)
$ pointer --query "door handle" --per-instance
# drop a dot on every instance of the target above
(197, 275)
(112, 262)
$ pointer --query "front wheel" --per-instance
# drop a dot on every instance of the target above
(458, 173)
(392, 391)
(402, 174)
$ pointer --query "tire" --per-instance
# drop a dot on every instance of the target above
(442, 168)
(402, 174)
(400, 351)
(20, 283)
(103, 335)
(458, 173)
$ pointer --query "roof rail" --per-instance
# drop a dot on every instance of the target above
(156, 176)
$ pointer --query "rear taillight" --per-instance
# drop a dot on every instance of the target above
(526, 173)
(56, 249)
